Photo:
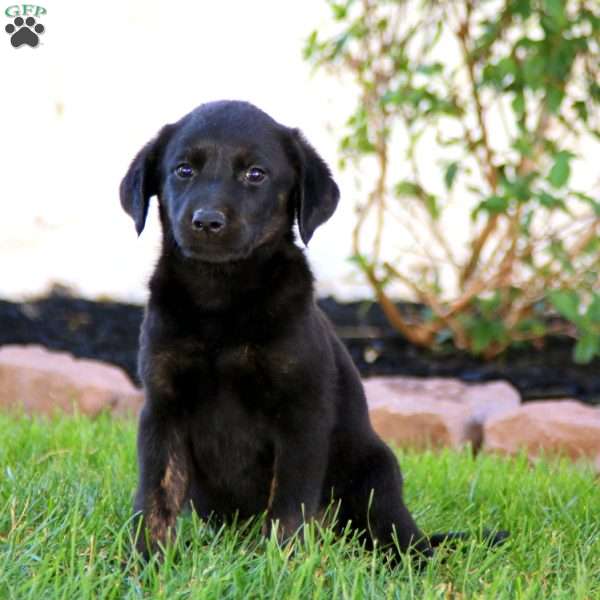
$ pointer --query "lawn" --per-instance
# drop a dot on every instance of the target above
(65, 499)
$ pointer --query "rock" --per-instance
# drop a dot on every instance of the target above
(43, 381)
(409, 411)
(564, 427)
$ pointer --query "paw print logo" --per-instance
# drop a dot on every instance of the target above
(24, 32)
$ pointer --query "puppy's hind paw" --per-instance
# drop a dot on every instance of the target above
(489, 536)
(495, 538)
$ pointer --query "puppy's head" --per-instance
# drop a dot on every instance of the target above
(229, 179)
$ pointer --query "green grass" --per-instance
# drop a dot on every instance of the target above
(65, 499)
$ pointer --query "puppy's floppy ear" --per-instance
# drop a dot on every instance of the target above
(317, 194)
(142, 180)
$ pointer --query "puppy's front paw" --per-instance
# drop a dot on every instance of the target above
(151, 535)
(283, 528)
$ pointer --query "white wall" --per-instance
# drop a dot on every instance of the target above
(104, 79)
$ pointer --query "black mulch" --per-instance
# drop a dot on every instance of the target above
(108, 331)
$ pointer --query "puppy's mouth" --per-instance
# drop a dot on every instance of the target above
(214, 249)
(219, 251)
(215, 255)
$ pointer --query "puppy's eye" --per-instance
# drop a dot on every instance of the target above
(255, 175)
(184, 171)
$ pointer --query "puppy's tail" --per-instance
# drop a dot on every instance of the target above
(491, 538)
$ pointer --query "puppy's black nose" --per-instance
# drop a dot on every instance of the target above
(211, 221)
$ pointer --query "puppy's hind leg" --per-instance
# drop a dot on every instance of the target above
(372, 501)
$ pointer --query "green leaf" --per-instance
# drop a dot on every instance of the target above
(430, 69)
(534, 68)
(592, 247)
(339, 11)
(556, 10)
(554, 98)
(518, 186)
(432, 206)
(506, 66)
(359, 260)
(581, 109)
(450, 174)
(489, 306)
(526, 222)
(382, 24)
(523, 146)
(561, 169)
(484, 332)
(552, 202)
(311, 45)
(518, 104)
(533, 326)
(593, 312)
(407, 188)
(595, 204)
(566, 303)
(587, 346)
(493, 205)
(521, 8)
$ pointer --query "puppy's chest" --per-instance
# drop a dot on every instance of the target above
(237, 407)
(231, 444)
(260, 378)
(264, 364)
(257, 376)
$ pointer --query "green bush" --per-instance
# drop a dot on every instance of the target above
(437, 74)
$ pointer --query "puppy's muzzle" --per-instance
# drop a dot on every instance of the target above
(209, 221)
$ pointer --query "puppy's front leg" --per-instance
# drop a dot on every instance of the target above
(164, 478)
(300, 462)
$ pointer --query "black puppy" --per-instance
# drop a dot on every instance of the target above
(253, 404)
